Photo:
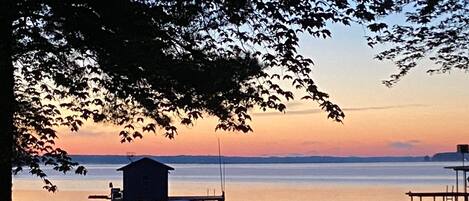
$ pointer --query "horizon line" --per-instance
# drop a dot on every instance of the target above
(268, 156)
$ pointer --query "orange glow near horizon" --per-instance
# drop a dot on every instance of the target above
(400, 131)
(421, 115)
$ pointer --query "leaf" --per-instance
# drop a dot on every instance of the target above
(137, 134)
(81, 170)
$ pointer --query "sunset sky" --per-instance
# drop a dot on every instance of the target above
(421, 115)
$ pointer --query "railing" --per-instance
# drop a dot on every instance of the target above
(198, 198)
(444, 195)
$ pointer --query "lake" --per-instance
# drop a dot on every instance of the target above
(260, 182)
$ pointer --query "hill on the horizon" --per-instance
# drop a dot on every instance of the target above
(119, 159)
(449, 156)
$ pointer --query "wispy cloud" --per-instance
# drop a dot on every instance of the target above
(89, 133)
(295, 104)
(310, 142)
(313, 111)
(409, 144)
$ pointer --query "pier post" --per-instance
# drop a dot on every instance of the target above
(457, 184)
(465, 186)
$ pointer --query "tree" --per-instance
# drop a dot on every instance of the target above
(437, 30)
(148, 65)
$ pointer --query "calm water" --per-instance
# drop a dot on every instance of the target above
(261, 182)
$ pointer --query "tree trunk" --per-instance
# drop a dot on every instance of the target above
(7, 99)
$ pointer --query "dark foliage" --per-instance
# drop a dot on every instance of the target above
(435, 29)
(150, 65)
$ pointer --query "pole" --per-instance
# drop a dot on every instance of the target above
(221, 172)
(457, 183)
(224, 176)
(465, 182)
(465, 186)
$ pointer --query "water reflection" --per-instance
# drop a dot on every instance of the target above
(261, 182)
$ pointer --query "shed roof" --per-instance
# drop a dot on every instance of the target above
(459, 168)
(147, 161)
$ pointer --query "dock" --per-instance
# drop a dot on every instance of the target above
(198, 198)
(445, 196)
(171, 198)
(449, 195)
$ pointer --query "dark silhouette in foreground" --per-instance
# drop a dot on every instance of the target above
(148, 66)
(453, 194)
(147, 180)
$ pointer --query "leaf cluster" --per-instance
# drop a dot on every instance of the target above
(148, 65)
(438, 30)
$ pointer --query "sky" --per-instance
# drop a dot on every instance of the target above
(423, 114)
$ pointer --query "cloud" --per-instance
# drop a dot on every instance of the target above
(294, 104)
(313, 111)
(409, 144)
(88, 132)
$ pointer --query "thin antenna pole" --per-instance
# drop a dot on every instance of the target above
(130, 155)
(219, 161)
(224, 175)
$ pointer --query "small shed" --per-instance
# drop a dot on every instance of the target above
(145, 180)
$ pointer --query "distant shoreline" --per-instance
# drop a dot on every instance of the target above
(197, 159)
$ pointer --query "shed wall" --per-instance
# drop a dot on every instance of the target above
(145, 184)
